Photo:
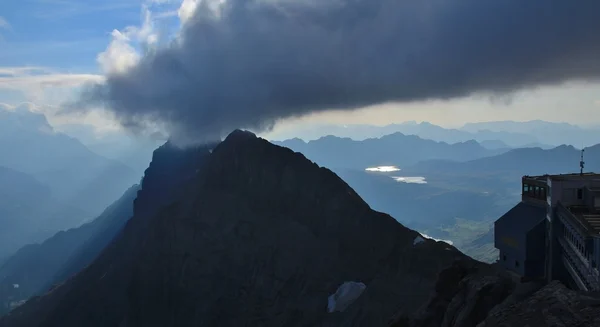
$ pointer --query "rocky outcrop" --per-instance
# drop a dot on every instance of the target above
(469, 294)
(245, 234)
(463, 295)
(552, 306)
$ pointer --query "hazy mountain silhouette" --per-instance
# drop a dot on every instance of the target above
(425, 206)
(545, 132)
(423, 130)
(36, 267)
(245, 233)
(73, 173)
(517, 162)
(395, 149)
(133, 151)
(29, 212)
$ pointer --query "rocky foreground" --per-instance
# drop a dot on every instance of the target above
(246, 233)
(475, 295)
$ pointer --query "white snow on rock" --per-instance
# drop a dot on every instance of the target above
(421, 238)
(345, 295)
(437, 239)
(418, 240)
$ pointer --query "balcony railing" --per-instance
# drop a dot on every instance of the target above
(567, 217)
(581, 265)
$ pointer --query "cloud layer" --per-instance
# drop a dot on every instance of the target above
(249, 63)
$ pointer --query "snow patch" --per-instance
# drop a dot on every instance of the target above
(345, 295)
(418, 240)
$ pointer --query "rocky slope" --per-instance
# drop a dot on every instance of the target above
(474, 295)
(245, 234)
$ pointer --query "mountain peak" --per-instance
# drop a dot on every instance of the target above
(239, 135)
(23, 117)
(250, 233)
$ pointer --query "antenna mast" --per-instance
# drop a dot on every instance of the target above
(581, 163)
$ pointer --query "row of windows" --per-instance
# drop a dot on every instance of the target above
(535, 191)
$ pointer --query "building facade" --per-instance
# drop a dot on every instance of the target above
(554, 232)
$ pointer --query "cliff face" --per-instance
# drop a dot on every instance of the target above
(245, 233)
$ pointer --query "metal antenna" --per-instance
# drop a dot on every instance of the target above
(581, 163)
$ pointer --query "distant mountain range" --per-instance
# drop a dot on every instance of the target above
(545, 132)
(134, 151)
(516, 163)
(427, 206)
(29, 212)
(395, 150)
(492, 135)
(36, 267)
(73, 173)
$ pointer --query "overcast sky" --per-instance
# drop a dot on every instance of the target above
(50, 48)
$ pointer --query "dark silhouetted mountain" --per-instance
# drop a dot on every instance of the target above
(516, 163)
(245, 233)
(395, 149)
(543, 131)
(73, 173)
(35, 267)
(29, 212)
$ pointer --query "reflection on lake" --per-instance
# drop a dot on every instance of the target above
(410, 180)
(383, 169)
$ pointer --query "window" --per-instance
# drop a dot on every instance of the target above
(535, 191)
(543, 193)
(504, 257)
(516, 263)
(579, 194)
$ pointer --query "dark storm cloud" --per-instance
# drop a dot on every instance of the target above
(262, 60)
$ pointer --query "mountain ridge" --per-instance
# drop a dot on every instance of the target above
(243, 208)
(395, 149)
(73, 172)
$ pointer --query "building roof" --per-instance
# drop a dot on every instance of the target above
(523, 217)
(571, 176)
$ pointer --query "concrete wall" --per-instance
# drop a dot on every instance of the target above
(566, 191)
(512, 246)
(536, 251)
